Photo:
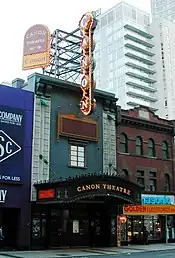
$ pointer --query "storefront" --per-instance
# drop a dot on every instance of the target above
(81, 211)
(16, 116)
(159, 219)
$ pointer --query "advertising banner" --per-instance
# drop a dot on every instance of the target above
(12, 133)
(148, 209)
(36, 49)
(157, 199)
(10, 196)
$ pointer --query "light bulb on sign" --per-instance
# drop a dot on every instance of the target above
(87, 26)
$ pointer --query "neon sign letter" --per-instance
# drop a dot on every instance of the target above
(87, 26)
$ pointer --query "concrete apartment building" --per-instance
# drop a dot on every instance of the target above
(125, 59)
(163, 8)
(164, 37)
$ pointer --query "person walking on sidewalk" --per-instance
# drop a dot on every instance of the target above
(145, 236)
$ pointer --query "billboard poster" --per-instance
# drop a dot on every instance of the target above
(36, 48)
(12, 133)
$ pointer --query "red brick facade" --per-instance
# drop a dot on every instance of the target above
(143, 123)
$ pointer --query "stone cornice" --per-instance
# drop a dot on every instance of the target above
(46, 83)
(146, 124)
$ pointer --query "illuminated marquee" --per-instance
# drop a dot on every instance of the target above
(87, 26)
(107, 187)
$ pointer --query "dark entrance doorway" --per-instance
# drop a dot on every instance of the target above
(83, 223)
(9, 222)
(92, 222)
(99, 225)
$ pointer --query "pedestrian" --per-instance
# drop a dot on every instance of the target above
(145, 236)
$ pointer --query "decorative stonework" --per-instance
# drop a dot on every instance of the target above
(109, 142)
(41, 142)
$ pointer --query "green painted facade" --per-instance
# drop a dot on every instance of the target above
(65, 99)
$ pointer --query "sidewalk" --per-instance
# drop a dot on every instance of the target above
(87, 251)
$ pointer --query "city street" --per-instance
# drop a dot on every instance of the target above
(157, 254)
(152, 251)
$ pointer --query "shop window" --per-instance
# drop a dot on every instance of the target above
(140, 177)
(151, 148)
(154, 227)
(135, 224)
(123, 143)
(165, 150)
(77, 155)
(167, 183)
(139, 145)
(153, 224)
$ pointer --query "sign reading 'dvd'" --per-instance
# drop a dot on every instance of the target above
(11, 144)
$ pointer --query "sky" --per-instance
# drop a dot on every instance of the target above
(17, 16)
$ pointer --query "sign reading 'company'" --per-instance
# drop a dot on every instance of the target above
(36, 49)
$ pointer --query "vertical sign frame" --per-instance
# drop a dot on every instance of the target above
(87, 26)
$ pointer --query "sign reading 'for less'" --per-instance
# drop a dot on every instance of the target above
(148, 209)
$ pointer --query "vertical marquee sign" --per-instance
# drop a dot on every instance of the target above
(36, 49)
(87, 26)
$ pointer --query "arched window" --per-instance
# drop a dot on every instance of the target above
(165, 154)
(151, 148)
(139, 145)
(123, 143)
(125, 173)
(167, 183)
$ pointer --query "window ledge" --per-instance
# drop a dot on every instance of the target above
(136, 155)
(142, 156)
(77, 167)
(149, 157)
(124, 153)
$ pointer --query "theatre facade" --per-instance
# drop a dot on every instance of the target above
(81, 211)
(78, 194)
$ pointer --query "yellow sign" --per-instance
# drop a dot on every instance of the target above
(148, 209)
(36, 61)
(108, 187)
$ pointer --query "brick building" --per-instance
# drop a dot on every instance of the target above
(145, 150)
(145, 146)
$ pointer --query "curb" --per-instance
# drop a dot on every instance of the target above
(143, 251)
(108, 253)
(120, 253)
